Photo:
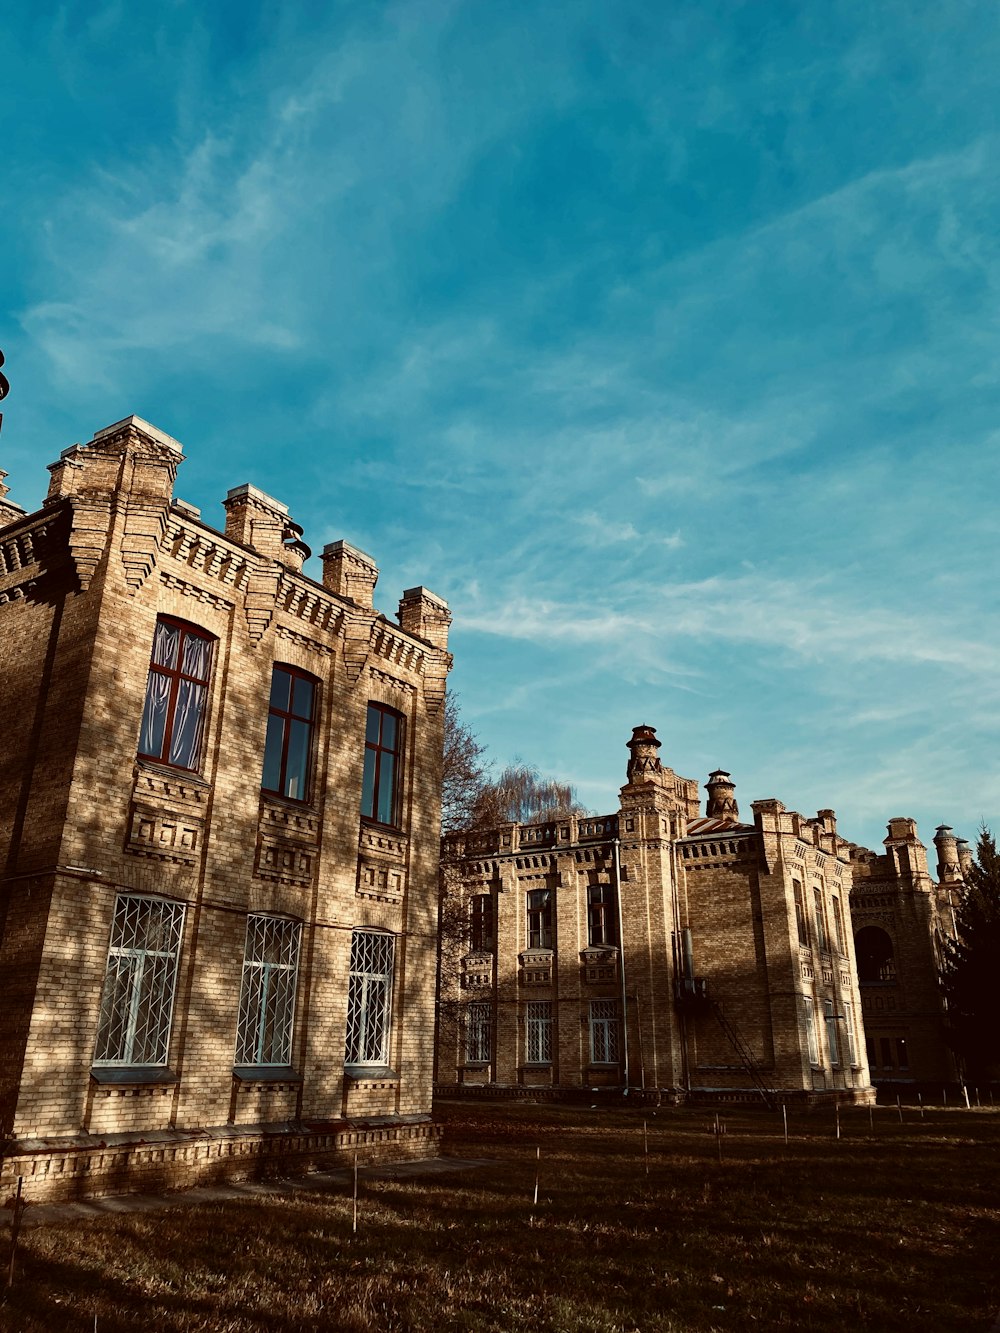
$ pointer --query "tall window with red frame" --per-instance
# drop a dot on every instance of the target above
(173, 718)
(288, 746)
(383, 764)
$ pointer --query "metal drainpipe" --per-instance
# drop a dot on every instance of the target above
(621, 956)
(679, 955)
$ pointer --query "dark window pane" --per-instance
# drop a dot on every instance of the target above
(280, 681)
(386, 788)
(368, 786)
(302, 697)
(271, 780)
(289, 734)
(388, 731)
(297, 763)
(372, 727)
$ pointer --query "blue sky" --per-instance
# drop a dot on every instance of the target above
(661, 339)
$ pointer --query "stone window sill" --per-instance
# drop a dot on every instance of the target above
(118, 1076)
(193, 777)
(266, 1074)
(370, 1073)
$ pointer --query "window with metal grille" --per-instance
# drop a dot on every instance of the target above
(369, 998)
(477, 1033)
(288, 745)
(809, 1014)
(830, 1018)
(601, 915)
(538, 1032)
(138, 999)
(604, 1032)
(383, 764)
(267, 992)
(539, 911)
(173, 716)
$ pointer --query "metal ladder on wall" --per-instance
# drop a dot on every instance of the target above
(768, 1094)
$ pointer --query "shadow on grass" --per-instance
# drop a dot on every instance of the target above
(895, 1232)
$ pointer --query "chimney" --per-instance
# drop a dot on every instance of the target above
(350, 573)
(256, 519)
(423, 613)
(9, 511)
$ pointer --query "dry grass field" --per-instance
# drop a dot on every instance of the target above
(896, 1229)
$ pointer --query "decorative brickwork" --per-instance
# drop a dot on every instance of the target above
(656, 950)
(899, 914)
(118, 1051)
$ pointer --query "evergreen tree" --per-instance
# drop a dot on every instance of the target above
(971, 971)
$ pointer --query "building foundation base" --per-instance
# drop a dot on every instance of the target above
(56, 1170)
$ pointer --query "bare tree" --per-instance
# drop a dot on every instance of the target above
(521, 793)
(464, 770)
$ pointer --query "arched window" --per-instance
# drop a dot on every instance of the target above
(176, 693)
(290, 723)
(876, 957)
(383, 761)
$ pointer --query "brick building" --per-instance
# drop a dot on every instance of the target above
(900, 916)
(219, 833)
(654, 948)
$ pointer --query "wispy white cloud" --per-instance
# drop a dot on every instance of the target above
(806, 619)
(601, 531)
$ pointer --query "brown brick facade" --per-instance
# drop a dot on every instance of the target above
(672, 962)
(128, 877)
(900, 916)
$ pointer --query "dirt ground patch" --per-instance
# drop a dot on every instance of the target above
(644, 1220)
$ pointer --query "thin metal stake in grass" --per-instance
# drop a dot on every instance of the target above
(899, 1108)
(965, 1093)
(920, 1100)
(784, 1118)
(538, 1161)
(355, 1194)
(871, 1119)
(15, 1227)
(645, 1145)
(720, 1129)
(836, 1116)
